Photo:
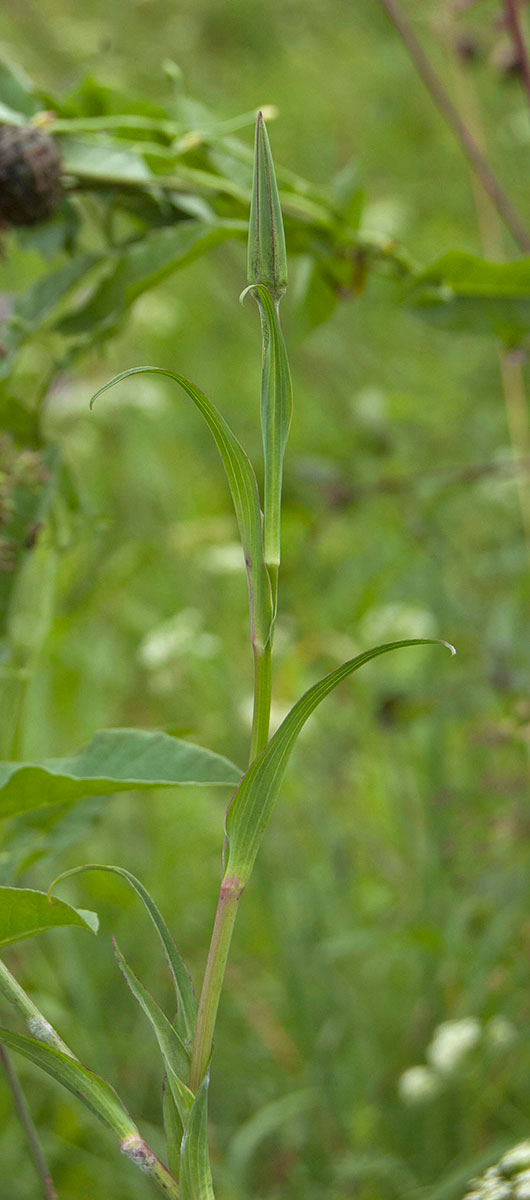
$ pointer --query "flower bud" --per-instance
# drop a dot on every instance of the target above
(267, 257)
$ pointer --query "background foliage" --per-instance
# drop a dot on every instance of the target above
(392, 892)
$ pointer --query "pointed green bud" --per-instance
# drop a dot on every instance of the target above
(267, 257)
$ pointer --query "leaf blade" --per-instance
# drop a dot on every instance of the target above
(251, 806)
(25, 912)
(94, 1092)
(185, 995)
(174, 1054)
(195, 1174)
(115, 760)
(245, 496)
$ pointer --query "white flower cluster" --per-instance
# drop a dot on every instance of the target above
(450, 1044)
(509, 1179)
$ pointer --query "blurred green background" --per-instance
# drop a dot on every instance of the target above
(392, 892)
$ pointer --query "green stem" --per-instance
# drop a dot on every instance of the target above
(262, 699)
(26, 1120)
(37, 1025)
(225, 916)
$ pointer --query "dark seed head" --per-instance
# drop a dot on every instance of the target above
(30, 175)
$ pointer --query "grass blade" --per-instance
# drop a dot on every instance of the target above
(252, 804)
(173, 1129)
(95, 1093)
(195, 1174)
(244, 489)
(187, 1004)
(172, 1048)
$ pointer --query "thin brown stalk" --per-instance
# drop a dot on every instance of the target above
(26, 1120)
(451, 115)
(514, 26)
(510, 362)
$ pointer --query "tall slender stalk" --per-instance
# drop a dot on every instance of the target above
(267, 269)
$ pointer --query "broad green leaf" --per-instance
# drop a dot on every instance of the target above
(195, 1173)
(175, 1056)
(95, 1093)
(143, 265)
(276, 413)
(244, 489)
(252, 804)
(467, 294)
(116, 760)
(24, 912)
(103, 161)
(187, 1004)
(173, 1129)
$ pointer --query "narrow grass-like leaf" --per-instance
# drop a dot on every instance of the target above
(276, 414)
(173, 1129)
(24, 912)
(195, 1173)
(94, 1092)
(172, 1048)
(187, 1004)
(116, 760)
(244, 489)
(252, 804)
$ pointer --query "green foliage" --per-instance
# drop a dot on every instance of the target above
(243, 486)
(185, 997)
(466, 294)
(24, 912)
(251, 806)
(94, 1092)
(116, 760)
(394, 878)
(195, 1175)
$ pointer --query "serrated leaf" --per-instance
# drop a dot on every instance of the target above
(467, 294)
(25, 912)
(187, 1004)
(244, 489)
(195, 1173)
(174, 1054)
(116, 760)
(95, 1093)
(252, 804)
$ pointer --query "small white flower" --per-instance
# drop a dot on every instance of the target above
(451, 1042)
(417, 1084)
(521, 1183)
(516, 1159)
(181, 635)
